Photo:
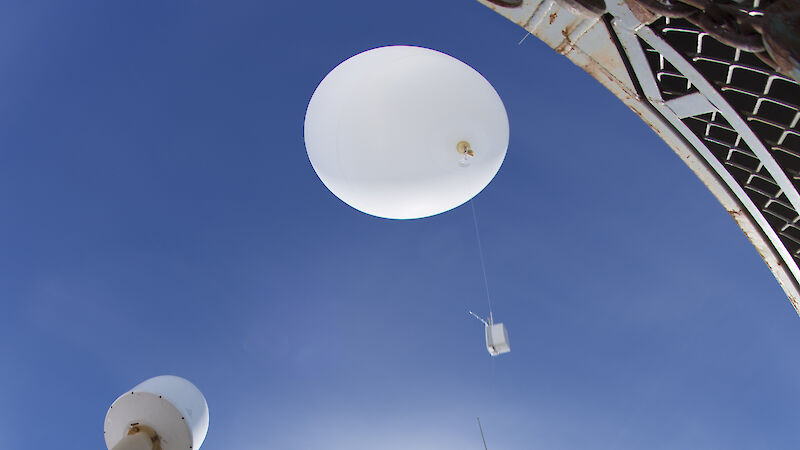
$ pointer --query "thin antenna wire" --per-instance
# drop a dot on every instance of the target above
(477, 317)
(483, 264)
(483, 438)
(523, 39)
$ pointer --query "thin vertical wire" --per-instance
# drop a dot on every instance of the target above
(480, 251)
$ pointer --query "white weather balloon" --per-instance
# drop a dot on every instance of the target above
(405, 132)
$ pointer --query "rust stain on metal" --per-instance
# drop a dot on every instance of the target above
(553, 17)
(601, 73)
(567, 45)
(735, 213)
(490, 5)
(775, 264)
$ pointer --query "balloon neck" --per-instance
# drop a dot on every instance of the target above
(465, 150)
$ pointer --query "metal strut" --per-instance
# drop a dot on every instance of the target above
(483, 438)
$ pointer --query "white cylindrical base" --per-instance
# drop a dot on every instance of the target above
(172, 406)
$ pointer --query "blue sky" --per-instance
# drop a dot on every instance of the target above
(158, 215)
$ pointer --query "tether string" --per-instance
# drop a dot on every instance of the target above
(480, 251)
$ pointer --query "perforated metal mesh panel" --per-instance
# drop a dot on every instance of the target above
(729, 115)
(767, 101)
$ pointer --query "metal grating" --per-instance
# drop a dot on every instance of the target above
(766, 100)
(727, 146)
(671, 82)
(727, 113)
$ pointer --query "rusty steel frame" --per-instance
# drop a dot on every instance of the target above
(629, 29)
(615, 56)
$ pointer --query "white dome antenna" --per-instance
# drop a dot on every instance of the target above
(162, 413)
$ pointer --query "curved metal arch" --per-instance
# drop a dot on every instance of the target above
(635, 54)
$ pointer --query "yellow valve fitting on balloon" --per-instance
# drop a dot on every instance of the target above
(464, 148)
